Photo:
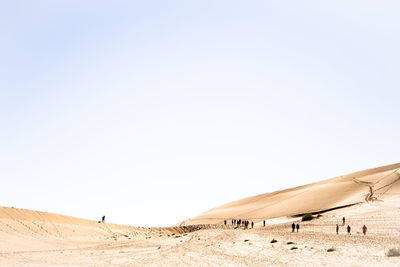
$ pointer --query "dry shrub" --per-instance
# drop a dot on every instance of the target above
(307, 217)
(393, 252)
(331, 249)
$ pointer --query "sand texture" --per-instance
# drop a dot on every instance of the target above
(371, 197)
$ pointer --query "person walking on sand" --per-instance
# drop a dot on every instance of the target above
(225, 222)
(348, 229)
(103, 219)
(297, 227)
(344, 221)
(252, 224)
(293, 226)
(364, 229)
(337, 229)
(264, 223)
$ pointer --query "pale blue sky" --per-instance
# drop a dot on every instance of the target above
(152, 112)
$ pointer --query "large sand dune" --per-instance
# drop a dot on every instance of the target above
(354, 188)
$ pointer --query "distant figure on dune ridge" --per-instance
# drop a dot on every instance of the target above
(337, 229)
(293, 226)
(252, 224)
(264, 223)
(297, 227)
(225, 222)
(348, 229)
(344, 221)
(103, 219)
(364, 229)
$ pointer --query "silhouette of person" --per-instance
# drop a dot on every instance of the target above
(225, 222)
(344, 220)
(264, 223)
(293, 226)
(348, 229)
(297, 227)
(252, 224)
(364, 229)
(337, 229)
(103, 218)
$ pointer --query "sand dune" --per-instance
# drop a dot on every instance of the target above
(354, 188)
(27, 230)
(33, 238)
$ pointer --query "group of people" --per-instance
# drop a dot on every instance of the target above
(240, 222)
(246, 223)
(364, 228)
(297, 226)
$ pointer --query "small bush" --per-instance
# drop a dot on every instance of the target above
(331, 249)
(293, 248)
(393, 252)
(274, 240)
(290, 243)
(307, 217)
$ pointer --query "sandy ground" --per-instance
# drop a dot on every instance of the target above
(230, 247)
(32, 238)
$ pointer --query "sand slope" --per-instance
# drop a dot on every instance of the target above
(29, 230)
(358, 187)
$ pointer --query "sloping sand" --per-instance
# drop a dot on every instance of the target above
(25, 230)
(340, 191)
(32, 238)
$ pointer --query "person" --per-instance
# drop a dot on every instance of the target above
(344, 220)
(297, 227)
(264, 223)
(103, 218)
(252, 224)
(348, 229)
(364, 229)
(293, 226)
(337, 229)
(225, 222)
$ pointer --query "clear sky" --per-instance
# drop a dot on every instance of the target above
(151, 112)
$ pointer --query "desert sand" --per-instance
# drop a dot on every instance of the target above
(370, 197)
